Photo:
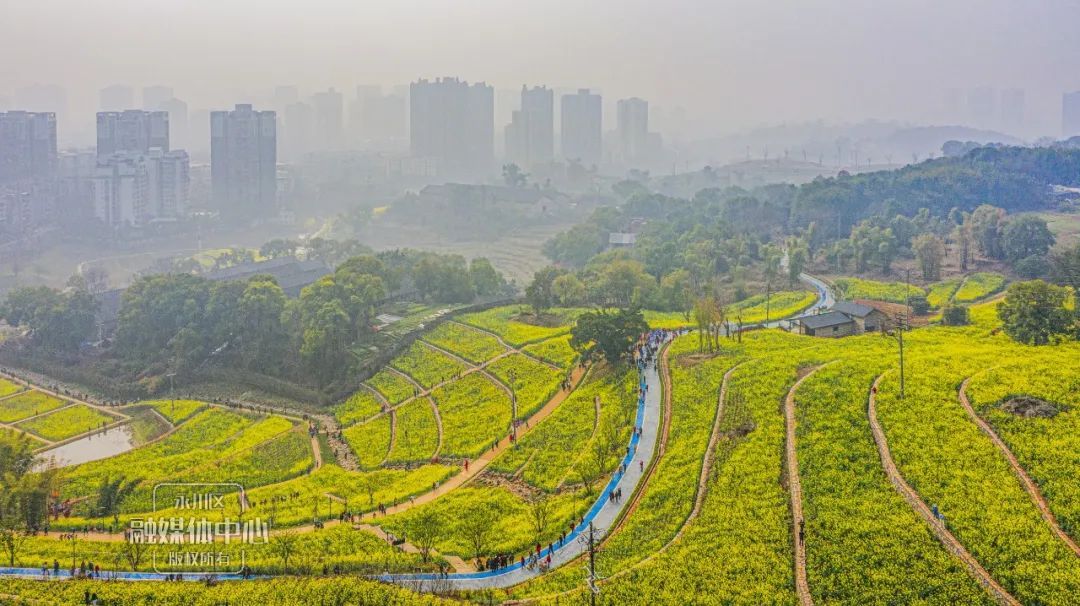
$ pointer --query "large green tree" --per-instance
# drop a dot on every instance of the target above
(611, 333)
(1034, 313)
(929, 252)
(1025, 236)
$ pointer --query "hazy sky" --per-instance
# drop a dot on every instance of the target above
(730, 63)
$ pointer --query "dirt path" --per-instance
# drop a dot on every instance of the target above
(109, 410)
(393, 437)
(456, 562)
(509, 346)
(317, 451)
(703, 481)
(1025, 480)
(477, 466)
(19, 430)
(431, 401)
(802, 587)
(482, 369)
(936, 526)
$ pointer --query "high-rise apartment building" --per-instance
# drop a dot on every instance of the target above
(28, 164)
(132, 130)
(130, 189)
(453, 123)
(633, 129)
(329, 119)
(1070, 114)
(530, 136)
(27, 146)
(377, 121)
(243, 163)
(178, 122)
(116, 98)
(581, 127)
(297, 131)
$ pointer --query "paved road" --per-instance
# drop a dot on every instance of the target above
(602, 514)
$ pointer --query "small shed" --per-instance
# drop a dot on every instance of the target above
(829, 324)
(867, 318)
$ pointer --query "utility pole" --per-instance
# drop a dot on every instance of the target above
(590, 569)
(898, 334)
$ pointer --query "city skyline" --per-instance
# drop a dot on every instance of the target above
(852, 65)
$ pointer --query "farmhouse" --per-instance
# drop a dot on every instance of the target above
(846, 318)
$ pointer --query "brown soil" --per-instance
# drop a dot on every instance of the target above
(1026, 406)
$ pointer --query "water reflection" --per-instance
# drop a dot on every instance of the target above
(108, 443)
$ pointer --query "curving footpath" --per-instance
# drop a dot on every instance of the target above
(603, 514)
(1025, 480)
(802, 587)
(936, 526)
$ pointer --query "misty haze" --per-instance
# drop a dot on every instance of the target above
(612, 303)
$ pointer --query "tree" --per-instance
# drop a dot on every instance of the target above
(539, 292)
(624, 283)
(1025, 236)
(284, 546)
(513, 175)
(955, 315)
(676, 291)
(539, 514)
(478, 525)
(111, 494)
(930, 255)
(486, 281)
(262, 336)
(986, 229)
(424, 530)
(24, 497)
(962, 235)
(1034, 312)
(12, 537)
(134, 552)
(798, 255)
(612, 333)
(919, 304)
(569, 290)
(58, 321)
(600, 455)
(1066, 272)
(709, 318)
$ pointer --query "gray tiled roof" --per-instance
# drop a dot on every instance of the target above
(825, 320)
(857, 310)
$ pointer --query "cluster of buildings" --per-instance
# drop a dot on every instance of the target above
(133, 178)
(451, 124)
(139, 173)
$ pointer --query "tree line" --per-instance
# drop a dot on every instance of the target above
(179, 322)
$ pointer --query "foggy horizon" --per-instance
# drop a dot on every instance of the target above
(731, 66)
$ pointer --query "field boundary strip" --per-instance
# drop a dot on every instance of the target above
(1028, 484)
(936, 526)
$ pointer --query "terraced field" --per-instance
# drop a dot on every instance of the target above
(27, 404)
(67, 422)
(788, 469)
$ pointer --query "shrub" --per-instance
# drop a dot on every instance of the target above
(919, 304)
(955, 315)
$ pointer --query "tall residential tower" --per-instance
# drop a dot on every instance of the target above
(582, 127)
(243, 163)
